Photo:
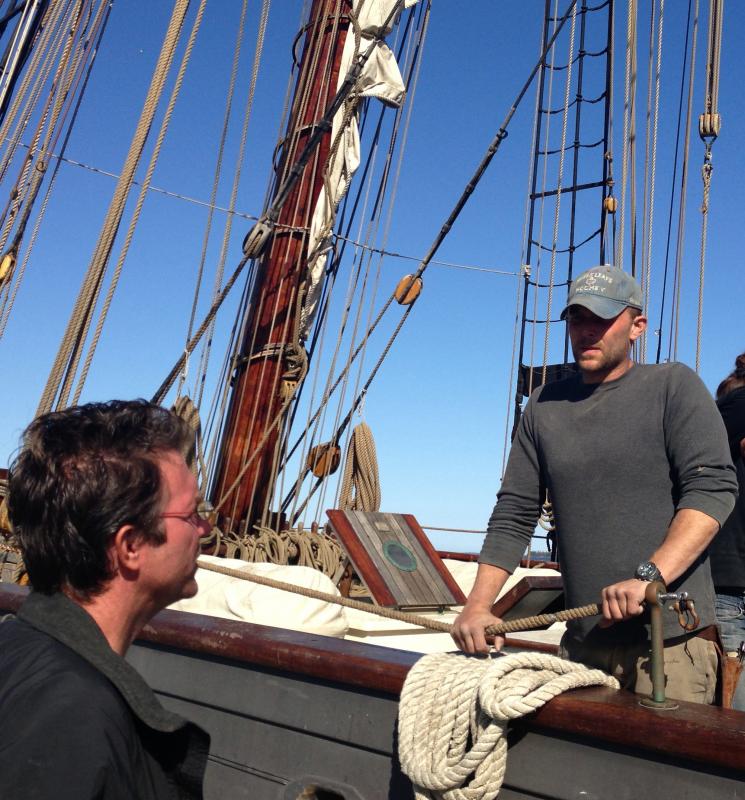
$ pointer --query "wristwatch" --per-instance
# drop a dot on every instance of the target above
(648, 571)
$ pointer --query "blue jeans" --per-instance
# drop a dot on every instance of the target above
(730, 612)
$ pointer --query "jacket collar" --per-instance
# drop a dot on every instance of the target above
(63, 620)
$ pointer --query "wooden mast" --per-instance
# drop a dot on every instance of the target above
(257, 396)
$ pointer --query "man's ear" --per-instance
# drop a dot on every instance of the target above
(127, 548)
(638, 326)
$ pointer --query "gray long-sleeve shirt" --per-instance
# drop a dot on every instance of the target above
(618, 459)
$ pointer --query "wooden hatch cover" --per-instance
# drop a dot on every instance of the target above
(395, 559)
(531, 595)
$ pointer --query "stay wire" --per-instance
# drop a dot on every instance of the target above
(672, 183)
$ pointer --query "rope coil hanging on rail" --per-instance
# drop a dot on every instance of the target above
(454, 713)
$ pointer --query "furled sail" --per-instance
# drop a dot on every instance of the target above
(380, 78)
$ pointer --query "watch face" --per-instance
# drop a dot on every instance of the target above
(648, 572)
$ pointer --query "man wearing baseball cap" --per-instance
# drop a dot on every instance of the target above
(635, 460)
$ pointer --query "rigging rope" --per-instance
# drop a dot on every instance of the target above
(44, 54)
(678, 281)
(320, 248)
(138, 208)
(673, 183)
(6, 308)
(629, 106)
(709, 123)
(544, 196)
(445, 229)
(269, 376)
(213, 194)
(252, 217)
(653, 120)
(204, 360)
(414, 63)
(28, 184)
(62, 372)
(12, 58)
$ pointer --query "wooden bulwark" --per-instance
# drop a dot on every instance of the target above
(417, 578)
(711, 737)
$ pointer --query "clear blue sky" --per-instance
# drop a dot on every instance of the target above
(439, 407)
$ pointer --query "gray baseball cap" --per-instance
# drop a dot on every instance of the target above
(605, 291)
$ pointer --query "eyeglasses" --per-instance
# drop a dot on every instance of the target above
(203, 513)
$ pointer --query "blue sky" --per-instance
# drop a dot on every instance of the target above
(439, 408)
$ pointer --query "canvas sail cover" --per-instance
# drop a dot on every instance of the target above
(380, 78)
(234, 598)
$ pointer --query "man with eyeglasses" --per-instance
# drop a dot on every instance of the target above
(108, 518)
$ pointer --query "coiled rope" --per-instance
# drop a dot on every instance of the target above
(360, 487)
(454, 713)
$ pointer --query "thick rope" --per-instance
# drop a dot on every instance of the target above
(512, 626)
(144, 188)
(6, 306)
(276, 551)
(185, 409)
(360, 487)
(66, 363)
(454, 713)
(296, 547)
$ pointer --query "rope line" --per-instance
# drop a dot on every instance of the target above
(673, 182)
(511, 626)
(445, 229)
(114, 282)
(653, 120)
(678, 274)
(213, 196)
(628, 123)
(239, 161)
(254, 218)
(708, 129)
(360, 484)
(62, 372)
